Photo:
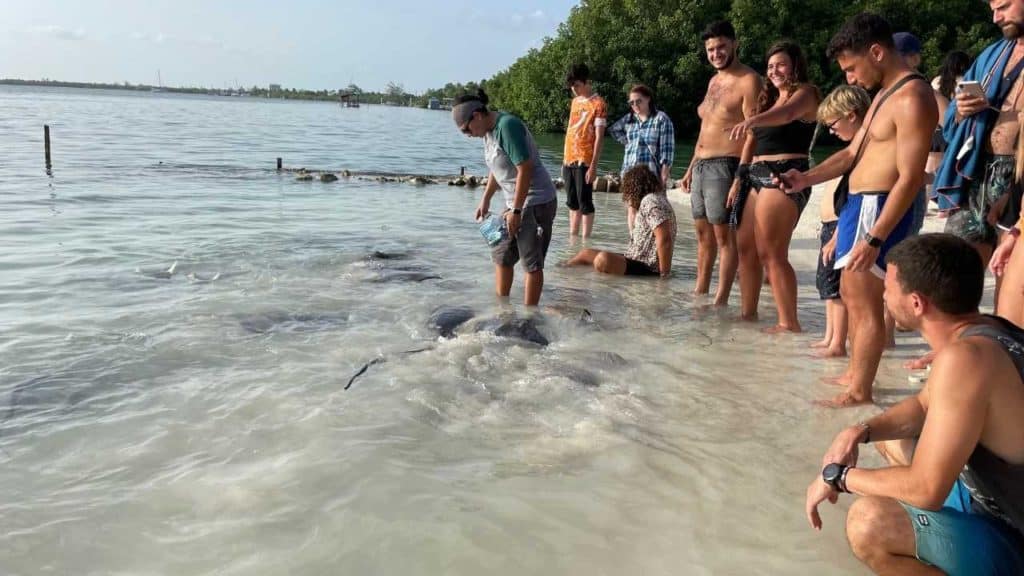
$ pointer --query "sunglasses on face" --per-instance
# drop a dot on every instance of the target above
(465, 128)
(832, 125)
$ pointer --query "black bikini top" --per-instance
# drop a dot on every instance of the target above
(792, 138)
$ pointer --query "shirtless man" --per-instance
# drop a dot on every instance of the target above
(955, 506)
(885, 166)
(974, 183)
(731, 98)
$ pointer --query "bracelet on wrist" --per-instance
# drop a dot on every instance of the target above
(867, 432)
(841, 483)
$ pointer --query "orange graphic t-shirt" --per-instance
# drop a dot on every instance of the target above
(585, 116)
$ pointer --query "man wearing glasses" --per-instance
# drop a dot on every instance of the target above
(731, 98)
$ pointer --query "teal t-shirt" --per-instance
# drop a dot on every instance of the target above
(508, 145)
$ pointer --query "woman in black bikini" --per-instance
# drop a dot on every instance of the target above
(778, 139)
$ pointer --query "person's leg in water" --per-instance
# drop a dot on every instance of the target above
(862, 293)
(534, 286)
(586, 201)
(584, 257)
(503, 280)
(707, 252)
(725, 240)
(750, 267)
(826, 339)
(827, 282)
(602, 261)
(835, 331)
(776, 219)
(610, 263)
(837, 347)
(572, 198)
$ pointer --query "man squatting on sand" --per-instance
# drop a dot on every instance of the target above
(951, 499)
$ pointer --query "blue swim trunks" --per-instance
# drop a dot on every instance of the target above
(857, 218)
(960, 542)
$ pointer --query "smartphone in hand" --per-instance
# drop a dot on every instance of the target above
(779, 176)
(971, 88)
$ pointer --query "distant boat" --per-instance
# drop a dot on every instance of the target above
(159, 84)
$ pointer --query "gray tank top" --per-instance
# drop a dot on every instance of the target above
(995, 484)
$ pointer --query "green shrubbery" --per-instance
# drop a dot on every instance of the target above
(657, 42)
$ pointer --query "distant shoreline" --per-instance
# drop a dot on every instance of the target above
(253, 92)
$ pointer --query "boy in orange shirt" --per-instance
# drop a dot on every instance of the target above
(588, 117)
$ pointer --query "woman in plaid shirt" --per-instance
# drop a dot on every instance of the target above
(648, 135)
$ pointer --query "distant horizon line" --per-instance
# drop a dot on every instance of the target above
(126, 85)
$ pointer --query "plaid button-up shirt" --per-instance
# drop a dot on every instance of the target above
(651, 142)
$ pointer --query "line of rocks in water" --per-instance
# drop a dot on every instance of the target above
(606, 183)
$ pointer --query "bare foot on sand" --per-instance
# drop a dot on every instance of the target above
(699, 292)
(843, 380)
(830, 353)
(823, 343)
(842, 400)
(920, 363)
(780, 329)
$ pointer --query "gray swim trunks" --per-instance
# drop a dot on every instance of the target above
(712, 179)
(531, 242)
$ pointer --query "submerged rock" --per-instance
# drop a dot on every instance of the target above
(328, 177)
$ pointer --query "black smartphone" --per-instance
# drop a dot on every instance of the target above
(775, 172)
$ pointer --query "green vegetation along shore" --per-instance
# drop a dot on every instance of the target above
(657, 42)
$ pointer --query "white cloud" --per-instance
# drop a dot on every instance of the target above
(59, 32)
(519, 19)
(156, 38)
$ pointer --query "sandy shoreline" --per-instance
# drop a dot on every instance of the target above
(803, 255)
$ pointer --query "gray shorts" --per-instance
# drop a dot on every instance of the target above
(531, 242)
(709, 189)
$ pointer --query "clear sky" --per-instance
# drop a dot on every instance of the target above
(314, 44)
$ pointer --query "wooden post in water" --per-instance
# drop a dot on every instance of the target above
(279, 164)
(462, 170)
(46, 144)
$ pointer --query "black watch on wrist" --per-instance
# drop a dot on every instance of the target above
(517, 211)
(832, 474)
(873, 241)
